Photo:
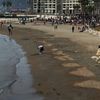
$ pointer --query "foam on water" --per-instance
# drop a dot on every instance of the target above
(14, 66)
(8, 59)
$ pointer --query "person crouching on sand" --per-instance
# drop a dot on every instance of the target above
(97, 57)
(98, 54)
(41, 49)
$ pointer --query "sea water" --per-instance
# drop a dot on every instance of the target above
(15, 74)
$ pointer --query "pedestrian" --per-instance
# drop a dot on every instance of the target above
(73, 28)
(79, 28)
(55, 26)
(1, 24)
(10, 28)
(41, 49)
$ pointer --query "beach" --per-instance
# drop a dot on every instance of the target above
(65, 70)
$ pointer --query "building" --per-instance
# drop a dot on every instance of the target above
(97, 7)
(30, 6)
(44, 6)
(54, 6)
(68, 6)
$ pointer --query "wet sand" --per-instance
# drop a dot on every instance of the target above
(65, 70)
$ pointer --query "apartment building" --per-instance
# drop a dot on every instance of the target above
(54, 6)
(44, 6)
(97, 7)
(68, 6)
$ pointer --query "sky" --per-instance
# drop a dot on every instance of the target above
(19, 4)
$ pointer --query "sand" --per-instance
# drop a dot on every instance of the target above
(53, 77)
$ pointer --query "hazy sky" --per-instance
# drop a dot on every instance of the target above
(18, 3)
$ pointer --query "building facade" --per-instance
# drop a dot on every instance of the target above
(68, 6)
(54, 6)
(44, 6)
(97, 7)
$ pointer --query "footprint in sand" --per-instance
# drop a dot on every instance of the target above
(59, 53)
(47, 44)
(68, 57)
(62, 56)
(70, 65)
(84, 72)
(88, 84)
(54, 49)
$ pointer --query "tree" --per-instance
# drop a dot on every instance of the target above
(90, 9)
(84, 4)
(97, 6)
(87, 9)
(76, 8)
(96, 0)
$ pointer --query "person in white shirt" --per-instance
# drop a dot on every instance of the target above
(41, 49)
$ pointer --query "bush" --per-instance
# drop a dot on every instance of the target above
(1, 15)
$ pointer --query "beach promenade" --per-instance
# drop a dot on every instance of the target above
(65, 71)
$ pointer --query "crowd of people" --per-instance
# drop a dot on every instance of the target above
(82, 23)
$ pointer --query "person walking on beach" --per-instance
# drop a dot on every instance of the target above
(55, 26)
(41, 49)
(10, 28)
(1, 24)
(73, 28)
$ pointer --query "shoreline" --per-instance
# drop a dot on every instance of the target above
(22, 83)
